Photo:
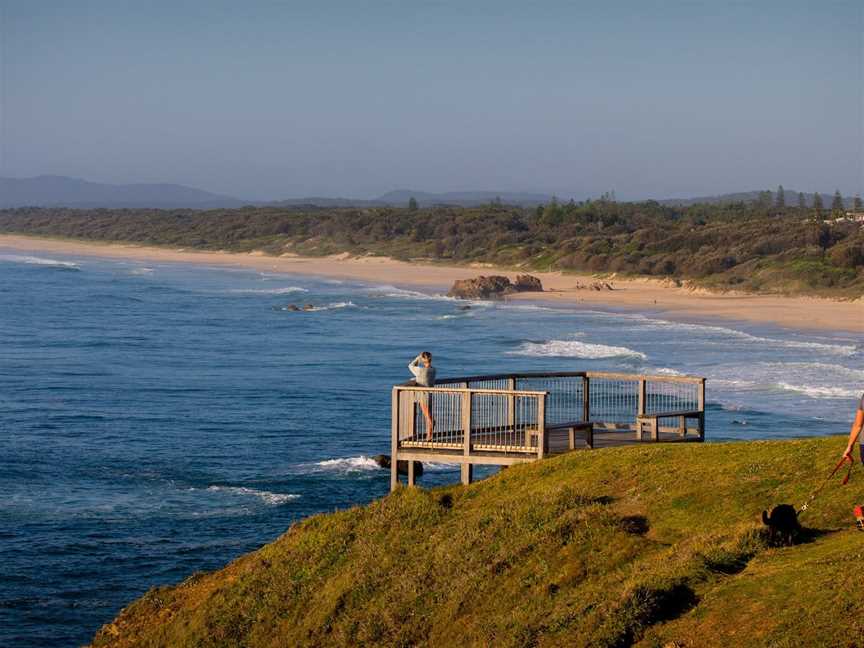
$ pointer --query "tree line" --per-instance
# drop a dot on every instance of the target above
(757, 246)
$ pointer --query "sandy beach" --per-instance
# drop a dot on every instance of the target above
(638, 294)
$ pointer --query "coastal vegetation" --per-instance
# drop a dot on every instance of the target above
(763, 246)
(645, 545)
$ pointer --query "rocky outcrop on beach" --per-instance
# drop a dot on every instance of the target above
(296, 308)
(527, 283)
(493, 287)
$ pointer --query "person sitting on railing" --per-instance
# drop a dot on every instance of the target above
(424, 376)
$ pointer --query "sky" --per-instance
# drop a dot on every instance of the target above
(269, 100)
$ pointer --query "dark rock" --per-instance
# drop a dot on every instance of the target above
(292, 307)
(309, 307)
(527, 283)
(401, 465)
(480, 287)
(493, 287)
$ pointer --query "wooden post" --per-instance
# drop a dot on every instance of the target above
(410, 472)
(643, 394)
(511, 405)
(700, 401)
(541, 426)
(640, 410)
(586, 398)
(467, 470)
(571, 437)
(394, 440)
(682, 426)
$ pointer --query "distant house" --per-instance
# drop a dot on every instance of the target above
(855, 217)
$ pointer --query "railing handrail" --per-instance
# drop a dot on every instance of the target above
(479, 390)
(653, 377)
(568, 374)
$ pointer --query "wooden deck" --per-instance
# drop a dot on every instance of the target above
(518, 418)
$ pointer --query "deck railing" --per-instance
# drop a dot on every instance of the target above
(514, 413)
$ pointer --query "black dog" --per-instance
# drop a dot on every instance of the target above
(783, 525)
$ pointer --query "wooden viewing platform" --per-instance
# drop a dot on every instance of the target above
(506, 419)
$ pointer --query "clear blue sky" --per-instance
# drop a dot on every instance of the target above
(286, 99)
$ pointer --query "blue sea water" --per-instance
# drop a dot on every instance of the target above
(161, 419)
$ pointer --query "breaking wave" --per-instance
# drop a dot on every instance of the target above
(324, 307)
(32, 260)
(267, 291)
(401, 293)
(341, 466)
(271, 499)
(816, 380)
(814, 391)
(721, 334)
(575, 349)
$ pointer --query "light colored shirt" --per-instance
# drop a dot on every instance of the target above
(423, 376)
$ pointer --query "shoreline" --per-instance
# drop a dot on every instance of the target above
(655, 295)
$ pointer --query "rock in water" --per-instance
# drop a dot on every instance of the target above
(493, 287)
(401, 465)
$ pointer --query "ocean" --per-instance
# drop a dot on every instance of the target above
(161, 419)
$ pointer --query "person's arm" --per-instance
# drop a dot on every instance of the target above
(855, 432)
(414, 366)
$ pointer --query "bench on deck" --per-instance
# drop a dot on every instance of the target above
(584, 428)
(650, 423)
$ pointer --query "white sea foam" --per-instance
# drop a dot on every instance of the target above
(721, 333)
(401, 293)
(439, 465)
(817, 380)
(342, 465)
(268, 291)
(335, 306)
(141, 271)
(323, 307)
(272, 499)
(32, 260)
(667, 371)
(814, 391)
(460, 315)
(575, 349)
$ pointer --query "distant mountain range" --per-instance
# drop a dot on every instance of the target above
(61, 191)
(51, 191)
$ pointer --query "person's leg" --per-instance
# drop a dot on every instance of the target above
(859, 510)
(430, 424)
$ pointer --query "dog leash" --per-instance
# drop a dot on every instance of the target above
(827, 479)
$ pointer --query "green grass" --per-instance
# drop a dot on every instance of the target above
(655, 545)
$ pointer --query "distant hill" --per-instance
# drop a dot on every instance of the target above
(62, 191)
(50, 191)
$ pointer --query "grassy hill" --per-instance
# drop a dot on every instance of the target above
(649, 546)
